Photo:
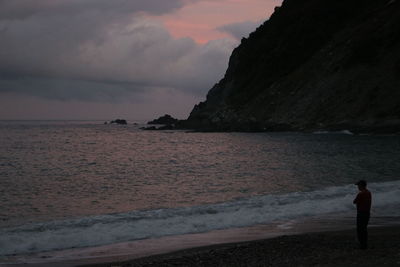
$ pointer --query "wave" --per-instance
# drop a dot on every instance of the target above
(347, 132)
(135, 225)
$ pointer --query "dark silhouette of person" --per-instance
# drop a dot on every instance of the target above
(363, 202)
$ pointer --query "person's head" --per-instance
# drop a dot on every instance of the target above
(362, 184)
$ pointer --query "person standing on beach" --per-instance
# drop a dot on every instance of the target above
(363, 202)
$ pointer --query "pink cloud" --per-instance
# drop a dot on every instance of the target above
(100, 54)
(200, 20)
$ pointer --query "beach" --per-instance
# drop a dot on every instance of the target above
(236, 247)
(333, 248)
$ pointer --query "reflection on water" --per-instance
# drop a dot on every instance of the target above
(56, 171)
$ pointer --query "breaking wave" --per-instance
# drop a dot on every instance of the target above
(114, 228)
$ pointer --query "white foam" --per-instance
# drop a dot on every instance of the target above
(109, 229)
(347, 132)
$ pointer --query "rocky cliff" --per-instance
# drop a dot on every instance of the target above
(315, 64)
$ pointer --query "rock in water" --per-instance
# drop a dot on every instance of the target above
(119, 121)
(166, 120)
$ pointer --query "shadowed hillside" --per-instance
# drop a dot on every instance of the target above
(315, 64)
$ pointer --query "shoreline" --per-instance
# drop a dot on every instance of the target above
(330, 248)
(181, 250)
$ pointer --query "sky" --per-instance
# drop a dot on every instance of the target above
(108, 59)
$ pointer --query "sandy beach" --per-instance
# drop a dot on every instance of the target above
(333, 248)
(328, 241)
(306, 244)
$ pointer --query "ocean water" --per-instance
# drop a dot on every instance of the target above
(77, 184)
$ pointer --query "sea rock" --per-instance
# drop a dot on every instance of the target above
(166, 120)
(119, 121)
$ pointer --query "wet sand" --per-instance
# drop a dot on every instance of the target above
(310, 242)
(334, 248)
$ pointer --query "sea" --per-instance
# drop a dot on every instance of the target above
(76, 184)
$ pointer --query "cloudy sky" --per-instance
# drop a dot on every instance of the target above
(103, 59)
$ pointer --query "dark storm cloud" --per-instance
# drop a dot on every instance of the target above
(75, 49)
(21, 9)
(240, 29)
(68, 89)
